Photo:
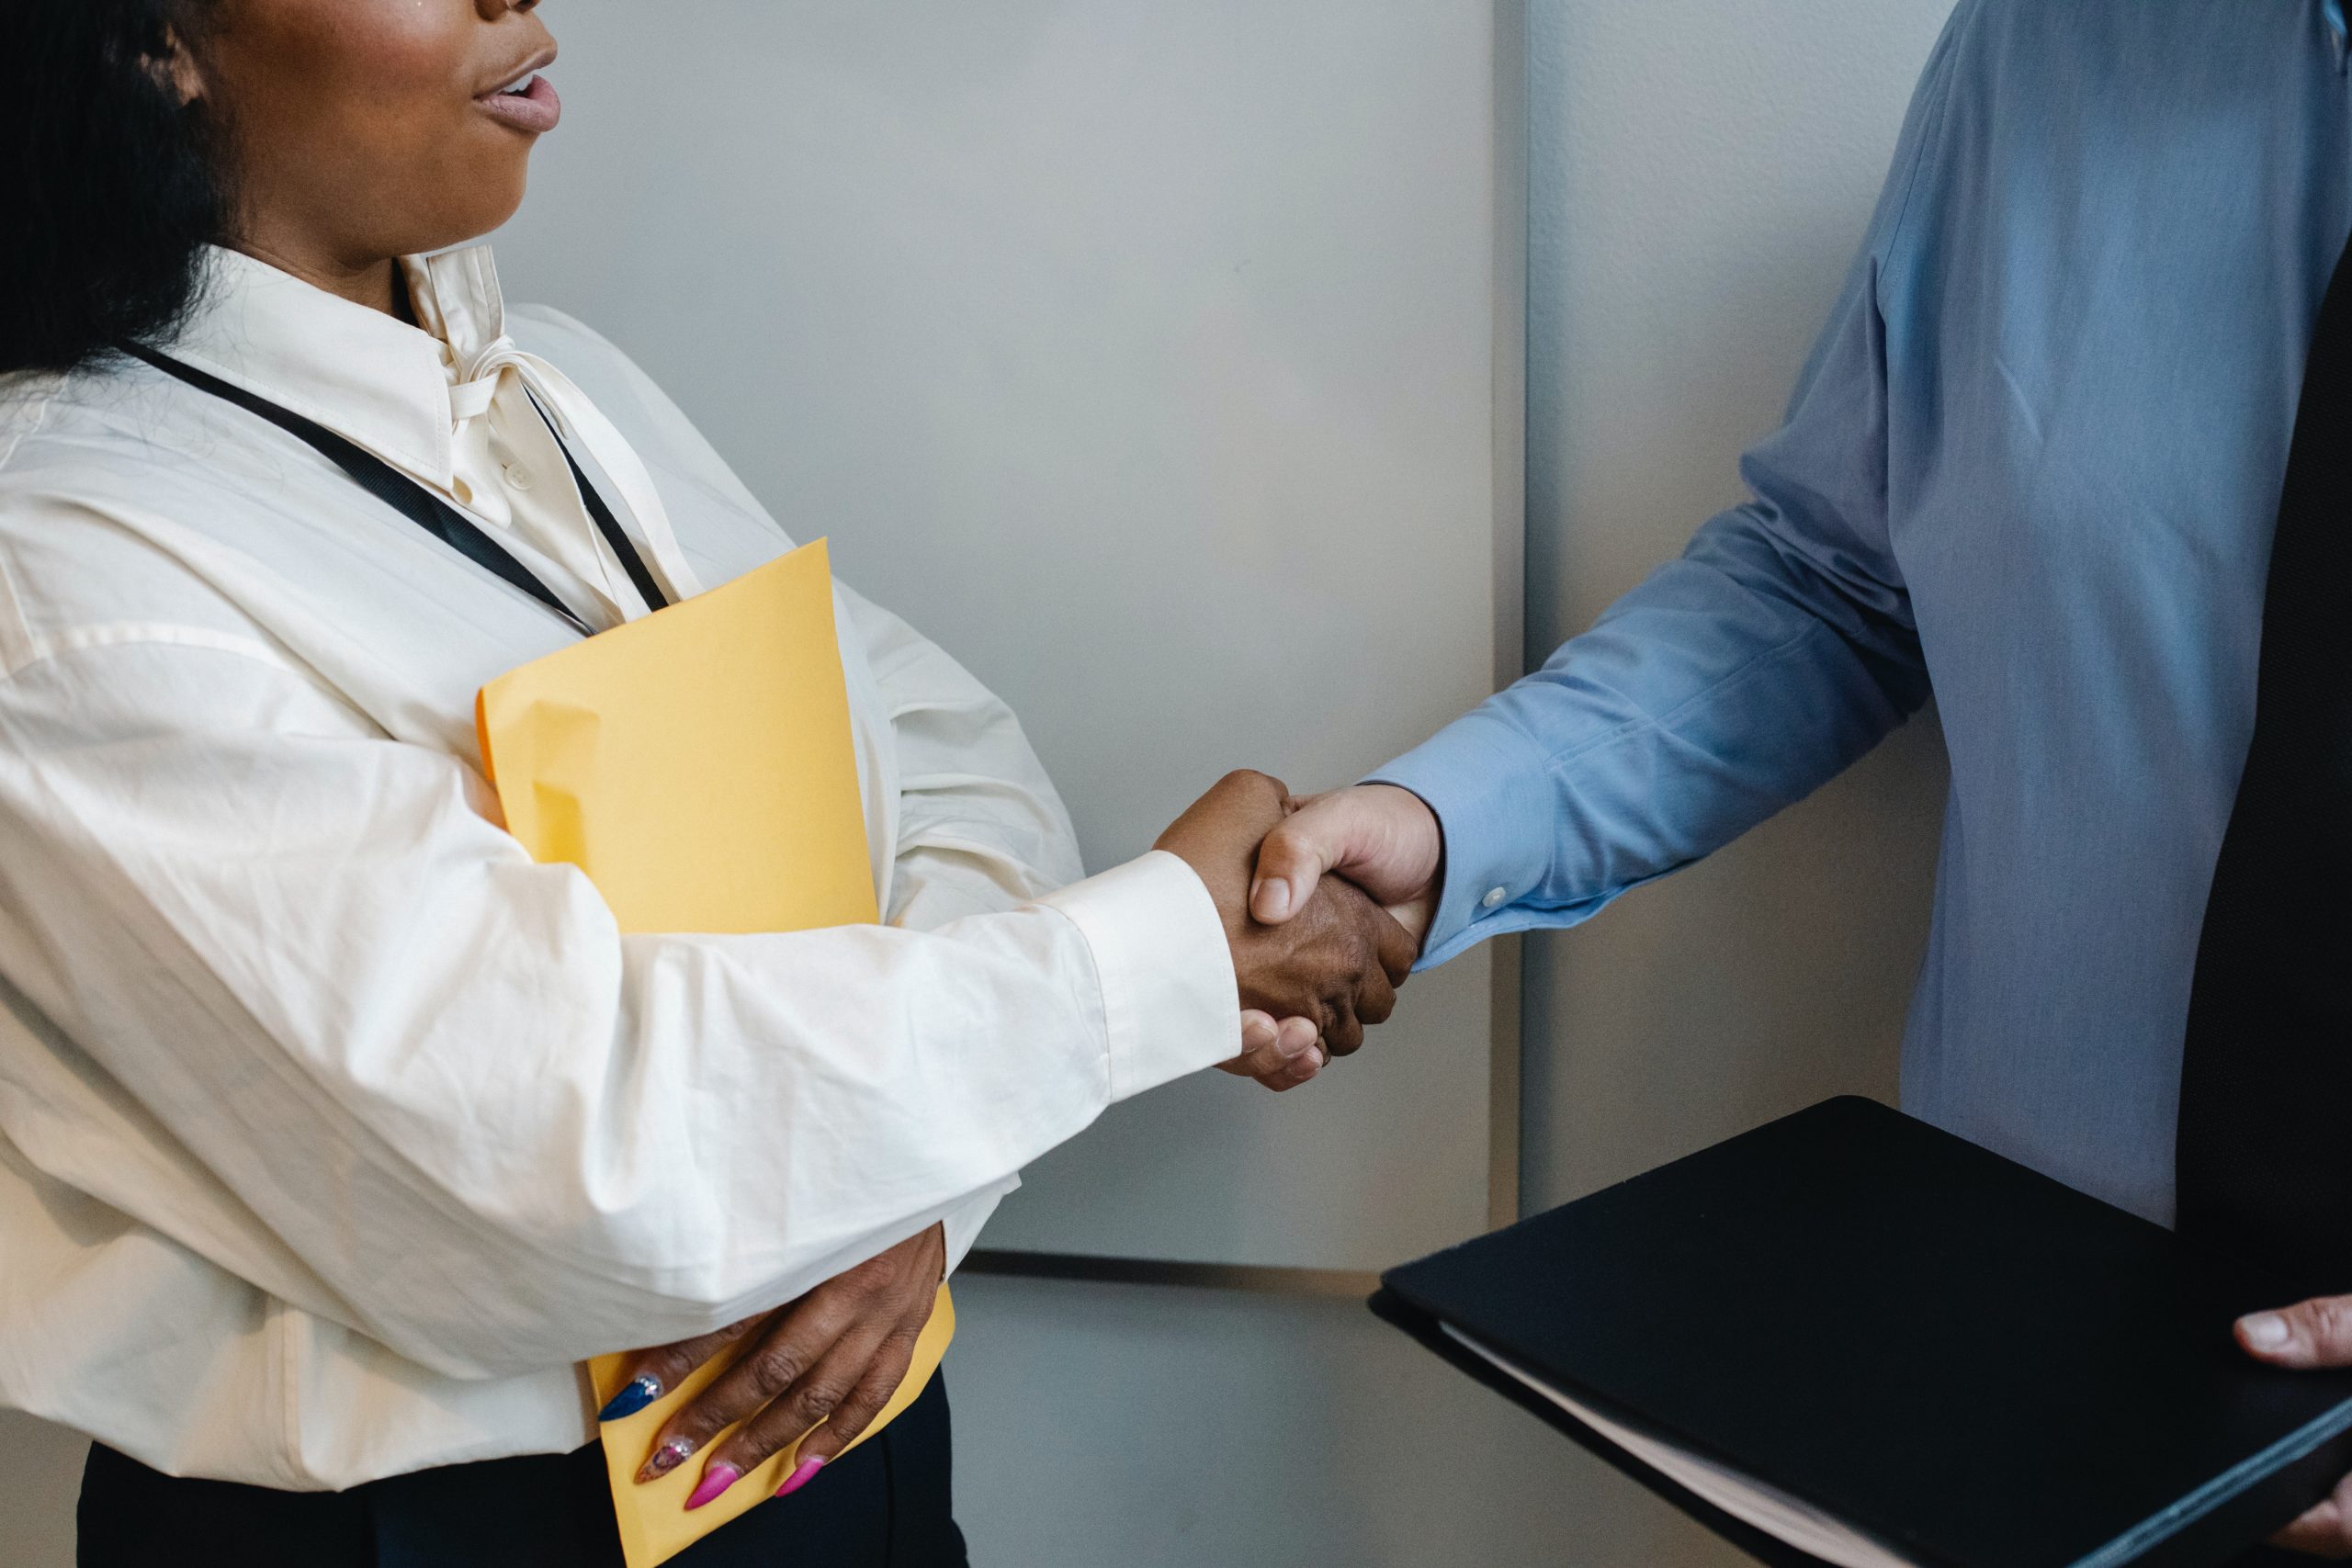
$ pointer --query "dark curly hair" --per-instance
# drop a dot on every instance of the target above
(109, 185)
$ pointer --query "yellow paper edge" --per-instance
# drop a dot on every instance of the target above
(559, 764)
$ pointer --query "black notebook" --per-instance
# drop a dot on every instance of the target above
(1848, 1337)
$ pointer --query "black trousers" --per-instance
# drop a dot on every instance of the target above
(884, 1504)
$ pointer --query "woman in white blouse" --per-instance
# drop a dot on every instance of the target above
(333, 1132)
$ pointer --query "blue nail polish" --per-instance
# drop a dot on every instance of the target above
(639, 1393)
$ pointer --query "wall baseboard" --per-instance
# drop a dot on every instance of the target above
(1335, 1283)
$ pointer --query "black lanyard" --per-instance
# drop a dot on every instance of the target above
(420, 505)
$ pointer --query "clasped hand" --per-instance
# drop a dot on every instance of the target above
(1317, 959)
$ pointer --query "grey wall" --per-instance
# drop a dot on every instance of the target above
(1700, 171)
(1143, 356)
(44, 1468)
(1132, 1427)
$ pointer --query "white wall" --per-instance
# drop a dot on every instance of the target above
(1701, 170)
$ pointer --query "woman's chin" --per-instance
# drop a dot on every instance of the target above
(488, 193)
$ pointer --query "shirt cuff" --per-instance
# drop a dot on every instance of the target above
(1490, 789)
(961, 1224)
(1170, 1005)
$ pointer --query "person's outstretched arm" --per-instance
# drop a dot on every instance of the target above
(1736, 680)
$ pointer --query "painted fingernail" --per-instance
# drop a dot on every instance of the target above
(667, 1458)
(716, 1479)
(639, 1393)
(2263, 1330)
(800, 1477)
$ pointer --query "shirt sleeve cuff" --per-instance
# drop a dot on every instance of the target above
(963, 1223)
(1490, 789)
(1170, 1005)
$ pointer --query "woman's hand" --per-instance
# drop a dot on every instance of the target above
(834, 1356)
(1383, 838)
(1278, 1054)
(2316, 1333)
(1307, 991)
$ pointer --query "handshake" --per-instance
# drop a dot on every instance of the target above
(1319, 956)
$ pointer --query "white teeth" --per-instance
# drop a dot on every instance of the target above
(518, 88)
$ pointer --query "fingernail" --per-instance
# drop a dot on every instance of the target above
(800, 1476)
(639, 1393)
(2263, 1330)
(1272, 898)
(667, 1458)
(1256, 1035)
(716, 1479)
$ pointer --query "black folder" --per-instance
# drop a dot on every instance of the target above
(1958, 1359)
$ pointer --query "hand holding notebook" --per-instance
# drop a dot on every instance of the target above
(1848, 1337)
(2311, 1335)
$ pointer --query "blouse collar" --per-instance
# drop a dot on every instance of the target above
(364, 375)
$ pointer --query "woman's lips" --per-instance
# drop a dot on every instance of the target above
(535, 109)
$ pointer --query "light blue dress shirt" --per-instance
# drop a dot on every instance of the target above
(2033, 468)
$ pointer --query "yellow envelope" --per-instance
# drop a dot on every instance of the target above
(697, 764)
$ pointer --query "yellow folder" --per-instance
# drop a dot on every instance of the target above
(697, 764)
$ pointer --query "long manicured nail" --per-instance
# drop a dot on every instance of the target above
(667, 1458)
(716, 1479)
(1271, 898)
(2264, 1331)
(640, 1393)
(800, 1476)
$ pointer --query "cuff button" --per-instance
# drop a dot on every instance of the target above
(1495, 896)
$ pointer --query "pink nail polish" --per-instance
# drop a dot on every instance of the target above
(800, 1477)
(716, 1479)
